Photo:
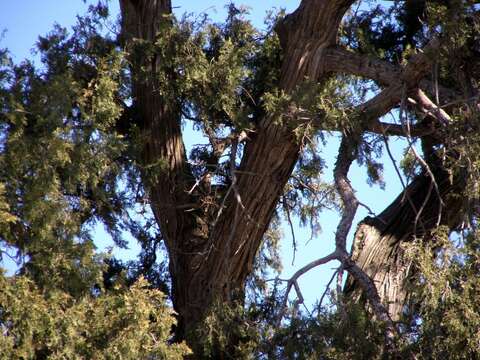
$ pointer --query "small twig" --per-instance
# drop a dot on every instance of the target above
(435, 81)
(425, 201)
(233, 155)
(424, 164)
(397, 170)
(459, 101)
(11, 257)
(289, 219)
(327, 288)
(233, 175)
(434, 182)
(199, 180)
(370, 211)
(296, 276)
(222, 206)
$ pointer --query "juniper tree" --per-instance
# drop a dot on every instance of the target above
(96, 134)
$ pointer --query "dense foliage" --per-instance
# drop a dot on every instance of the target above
(72, 156)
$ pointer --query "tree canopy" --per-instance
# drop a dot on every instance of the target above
(95, 134)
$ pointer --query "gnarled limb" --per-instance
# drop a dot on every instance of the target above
(346, 155)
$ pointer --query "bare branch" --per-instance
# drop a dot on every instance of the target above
(371, 294)
(429, 108)
(424, 164)
(346, 154)
(327, 288)
(405, 192)
(293, 280)
(389, 129)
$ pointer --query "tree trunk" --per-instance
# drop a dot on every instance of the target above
(379, 244)
(209, 263)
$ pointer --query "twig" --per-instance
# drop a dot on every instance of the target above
(296, 276)
(370, 211)
(406, 123)
(233, 155)
(233, 175)
(405, 191)
(289, 219)
(339, 280)
(425, 201)
(327, 288)
(459, 101)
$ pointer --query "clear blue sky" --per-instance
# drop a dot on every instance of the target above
(24, 20)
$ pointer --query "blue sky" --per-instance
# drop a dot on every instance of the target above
(24, 20)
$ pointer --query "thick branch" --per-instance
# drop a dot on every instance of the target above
(373, 125)
(340, 60)
(162, 159)
(346, 155)
(304, 36)
(412, 73)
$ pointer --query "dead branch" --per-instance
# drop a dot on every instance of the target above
(377, 107)
(293, 280)
(429, 108)
(405, 192)
(346, 155)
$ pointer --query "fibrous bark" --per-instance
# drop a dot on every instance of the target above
(210, 260)
(209, 263)
(380, 243)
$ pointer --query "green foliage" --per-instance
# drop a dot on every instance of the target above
(346, 333)
(307, 194)
(329, 101)
(333, 331)
(409, 164)
(227, 331)
(127, 323)
(370, 150)
(69, 161)
(447, 320)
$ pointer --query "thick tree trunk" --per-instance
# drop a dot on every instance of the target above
(379, 243)
(165, 171)
(212, 263)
